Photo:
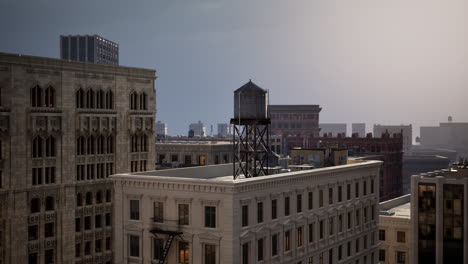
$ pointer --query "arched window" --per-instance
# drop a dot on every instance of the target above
(91, 145)
(90, 98)
(99, 197)
(50, 203)
(80, 102)
(35, 205)
(144, 143)
(100, 99)
(50, 146)
(134, 141)
(109, 100)
(133, 100)
(36, 96)
(80, 146)
(37, 147)
(100, 144)
(143, 101)
(49, 97)
(110, 144)
(79, 199)
(89, 198)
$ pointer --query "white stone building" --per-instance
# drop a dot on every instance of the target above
(161, 129)
(326, 215)
(395, 231)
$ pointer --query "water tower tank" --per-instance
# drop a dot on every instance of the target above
(250, 102)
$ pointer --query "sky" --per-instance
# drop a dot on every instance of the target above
(372, 61)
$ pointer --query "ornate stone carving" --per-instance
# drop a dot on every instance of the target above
(49, 216)
(94, 124)
(33, 246)
(34, 219)
(50, 243)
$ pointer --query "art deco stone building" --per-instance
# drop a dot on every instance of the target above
(64, 128)
(202, 215)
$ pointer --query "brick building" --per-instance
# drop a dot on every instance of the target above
(294, 120)
(386, 148)
(64, 128)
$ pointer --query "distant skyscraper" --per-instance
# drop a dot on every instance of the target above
(89, 48)
(224, 130)
(198, 129)
(359, 128)
(161, 129)
(300, 120)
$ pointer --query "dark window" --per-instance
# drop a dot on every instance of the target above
(287, 240)
(372, 186)
(82, 49)
(426, 223)
(382, 255)
(134, 209)
(33, 232)
(35, 205)
(74, 48)
(37, 147)
(87, 223)
(299, 203)
(453, 223)
(134, 246)
(401, 237)
(330, 195)
(49, 97)
(98, 221)
(348, 192)
(133, 101)
(78, 224)
(79, 200)
(356, 190)
(364, 188)
(89, 198)
(210, 254)
(109, 100)
(260, 249)
(77, 250)
(183, 214)
(274, 245)
(321, 229)
(87, 250)
(158, 248)
(108, 219)
(90, 49)
(50, 203)
(49, 230)
(36, 96)
(210, 216)
(274, 209)
(49, 256)
(311, 200)
(330, 256)
(299, 237)
(286, 206)
(98, 245)
(401, 258)
(245, 215)
(311, 232)
(158, 215)
(80, 98)
(260, 212)
(340, 194)
(108, 243)
(90, 98)
(65, 48)
(108, 196)
(321, 198)
(245, 253)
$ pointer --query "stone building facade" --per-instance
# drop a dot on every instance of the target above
(64, 128)
(202, 215)
(294, 120)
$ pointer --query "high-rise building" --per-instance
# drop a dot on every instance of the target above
(202, 215)
(359, 128)
(89, 48)
(224, 130)
(294, 120)
(64, 128)
(332, 128)
(161, 129)
(197, 129)
(439, 219)
(406, 130)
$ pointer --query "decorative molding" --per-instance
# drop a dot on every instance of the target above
(44, 72)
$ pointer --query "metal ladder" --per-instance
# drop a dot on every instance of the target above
(167, 246)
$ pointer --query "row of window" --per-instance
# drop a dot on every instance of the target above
(88, 247)
(43, 175)
(33, 231)
(299, 202)
(94, 171)
(400, 256)
(35, 204)
(94, 100)
(89, 198)
(139, 143)
(41, 97)
(49, 257)
(183, 250)
(94, 145)
(401, 236)
(43, 147)
(138, 165)
(138, 101)
(361, 243)
(87, 224)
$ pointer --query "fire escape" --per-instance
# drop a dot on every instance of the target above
(170, 238)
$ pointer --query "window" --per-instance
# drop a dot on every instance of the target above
(158, 214)
(143, 98)
(372, 186)
(364, 188)
(108, 196)
(158, 248)
(340, 223)
(133, 101)
(358, 217)
(401, 237)
(259, 212)
(340, 252)
(357, 245)
(79, 200)
(87, 248)
(401, 257)
(348, 192)
(321, 198)
(108, 243)
(330, 256)
(183, 214)
(382, 255)
(99, 197)
(87, 223)
(90, 98)
(274, 209)
(89, 198)
(184, 252)
(210, 254)
(260, 249)
(100, 144)
(78, 224)
(134, 209)
(49, 256)
(330, 195)
(49, 97)
(36, 176)
(299, 237)
(331, 229)
(382, 235)
(79, 96)
(49, 230)
(49, 175)
(37, 145)
(33, 232)
(35, 205)
(340, 194)
(245, 215)
(286, 206)
(210, 216)
(134, 246)
(108, 219)
(98, 245)
(50, 146)
(311, 232)
(311, 200)
(356, 190)
(98, 221)
(365, 215)
(274, 245)
(36, 96)
(321, 229)
(349, 220)
(109, 100)
(77, 250)
(287, 240)
(80, 146)
(348, 249)
(100, 99)
(299, 203)
(50, 203)
(32, 258)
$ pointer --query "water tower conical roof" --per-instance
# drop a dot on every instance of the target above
(250, 87)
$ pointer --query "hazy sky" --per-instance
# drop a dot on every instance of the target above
(373, 61)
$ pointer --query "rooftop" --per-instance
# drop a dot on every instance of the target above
(399, 207)
(224, 173)
(194, 142)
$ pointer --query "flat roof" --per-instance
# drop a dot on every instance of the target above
(400, 207)
(401, 211)
(223, 173)
(190, 142)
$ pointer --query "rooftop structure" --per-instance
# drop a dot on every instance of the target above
(332, 129)
(294, 120)
(204, 215)
(89, 48)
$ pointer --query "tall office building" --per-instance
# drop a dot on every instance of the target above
(64, 128)
(89, 48)
(359, 128)
(438, 213)
(161, 129)
(197, 129)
